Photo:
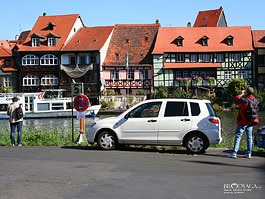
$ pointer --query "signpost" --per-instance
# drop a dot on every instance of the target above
(76, 88)
(81, 103)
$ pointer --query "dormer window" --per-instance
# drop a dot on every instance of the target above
(230, 40)
(204, 40)
(178, 41)
(36, 39)
(127, 41)
(35, 42)
(52, 39)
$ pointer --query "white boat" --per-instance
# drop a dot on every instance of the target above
(46, 104)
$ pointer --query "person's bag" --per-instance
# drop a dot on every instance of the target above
(252, 109)
(19, 112)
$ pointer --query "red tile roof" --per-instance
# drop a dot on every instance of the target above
(135, 39)
(5, 49)
(89, 39)
(209, 18)
(63, 25)
(191, 36)
(192, 65)
(258, 38)
(5, 53)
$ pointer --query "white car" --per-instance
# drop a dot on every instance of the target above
(191, 123)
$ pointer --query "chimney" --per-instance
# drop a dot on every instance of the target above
(189, 25)
(157, 21)
(16, 37)
(44, 14)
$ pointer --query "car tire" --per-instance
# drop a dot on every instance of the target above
(107, 141)
(196, 144)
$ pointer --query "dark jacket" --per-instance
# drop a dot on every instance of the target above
(242, 103)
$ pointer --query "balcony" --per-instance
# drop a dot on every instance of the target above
(128, 84)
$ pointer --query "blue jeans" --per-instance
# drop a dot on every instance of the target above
(241, 128)
(13, 127)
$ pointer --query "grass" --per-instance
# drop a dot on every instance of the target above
(41, 137)
(63, 137)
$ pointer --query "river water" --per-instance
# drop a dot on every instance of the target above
(227, 122)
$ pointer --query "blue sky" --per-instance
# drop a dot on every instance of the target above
(18, 15)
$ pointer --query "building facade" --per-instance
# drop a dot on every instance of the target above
(202, 57)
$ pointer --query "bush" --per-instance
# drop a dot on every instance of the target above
(235, 87)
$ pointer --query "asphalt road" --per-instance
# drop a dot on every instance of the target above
(86, 172)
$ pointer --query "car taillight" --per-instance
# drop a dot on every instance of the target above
(214, 120)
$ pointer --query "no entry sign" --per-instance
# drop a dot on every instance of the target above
(81, 102)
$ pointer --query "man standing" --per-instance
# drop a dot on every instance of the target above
(244, 124)
(15, 122)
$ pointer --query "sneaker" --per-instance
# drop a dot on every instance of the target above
(19, 145)
(248, 156)
(232, 155)
(13, 144)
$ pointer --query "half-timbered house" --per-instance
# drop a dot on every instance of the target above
(204, 56)
(128, 64)
(259, 58)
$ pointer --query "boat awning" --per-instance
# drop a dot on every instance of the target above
(192, 65)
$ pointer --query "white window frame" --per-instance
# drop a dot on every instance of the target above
(206, 57)
(144, 74)
(194, 58)
(115, 74)
(7, 81)
(186, 74)
(49, 80)
(49, 59)
(52, 41)
(219, 57)
(31, 80)
(236, 57)
(228, 75)
(241, 74)
(35, 42)
(179, 57)
(130, 75)
(30, 60)
(178, 74)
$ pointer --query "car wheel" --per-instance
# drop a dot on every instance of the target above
(106, 141)
(196, 144)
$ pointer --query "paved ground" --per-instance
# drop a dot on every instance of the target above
(85, 172)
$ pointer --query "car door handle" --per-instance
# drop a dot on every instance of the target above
(185, 120)
(152, 121)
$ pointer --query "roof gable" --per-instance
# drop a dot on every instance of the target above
(5, 49)
(210, 18)
(89, 39)
(242, 40)
(258, 38)
(136, 40)
(59, 26)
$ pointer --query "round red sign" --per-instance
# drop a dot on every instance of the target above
(81, 102)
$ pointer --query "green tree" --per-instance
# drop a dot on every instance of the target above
(235, 87)
(160, 92)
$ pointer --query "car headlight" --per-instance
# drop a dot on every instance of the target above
(93, 124)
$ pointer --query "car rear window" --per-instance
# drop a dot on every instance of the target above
(195, 109)
(176, 109)
(211, 110)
